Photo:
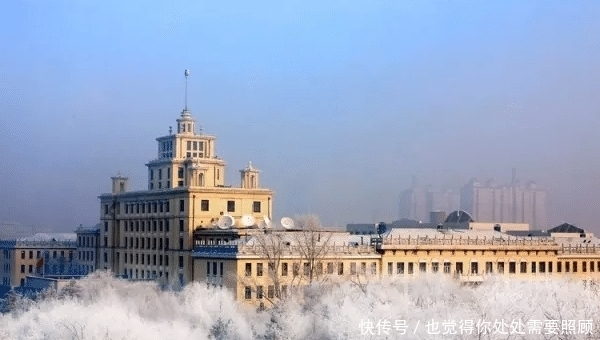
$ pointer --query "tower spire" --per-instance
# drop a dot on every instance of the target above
(186, 73)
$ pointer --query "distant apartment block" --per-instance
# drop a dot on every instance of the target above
(514, 203)
(416, 203)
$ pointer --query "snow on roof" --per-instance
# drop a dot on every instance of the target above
(50, 237)
(446, 233)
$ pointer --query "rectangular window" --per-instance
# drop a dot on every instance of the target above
(181, 243)
(247, 293)
(399, 267)
(271, 266)
(523, 267)
(181, 227)
(259, 269)
(489, 267)
(373, 268)
(181, 205)
(459, 267)
(284, 269)
(390, 267)
(583, 267)
(221, 268)
(435, 267)
(22, 268)
(512, 267)
(549, 267)
(306, 269)
(180, 261)
(214, 269)
(574, 266)
(270, 292)
(475, 268)
(204, 205)
(411, 268)
(248, 269)
(256, 206)
(106, 209)
(330, 268)
(341, 268)
(31, 254)
(567, 266)
(500, 267)
(533, 267)
(105, 257)
(159, 174)
(106, 227)
(447, 267)
(422, 267)
(353, 268)
(22, 254)
(230, 206)
(542, 267)
(189, 145)
(259, 292)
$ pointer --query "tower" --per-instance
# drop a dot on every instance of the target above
(250, 177)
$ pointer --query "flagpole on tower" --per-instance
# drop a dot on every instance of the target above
(186, 73)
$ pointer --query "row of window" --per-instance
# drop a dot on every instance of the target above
(87, 255)
(160, 174)
(38, 254)
(148, 226)
(215, 266)
(317, 269)
(523, 267)
(260, 293)
(147, 207)
(145, 260)
(86, 241)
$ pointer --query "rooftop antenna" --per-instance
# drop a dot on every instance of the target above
(186, 73)
(170, 130)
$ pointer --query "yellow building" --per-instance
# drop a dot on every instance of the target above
(40, 254)
(262, 267)
(149, 234)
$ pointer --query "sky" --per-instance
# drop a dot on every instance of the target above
(338, 104)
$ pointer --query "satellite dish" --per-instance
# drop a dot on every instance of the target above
(225, 222)
(265, 223)
(214, 222)
(287, 223)
(248, 220)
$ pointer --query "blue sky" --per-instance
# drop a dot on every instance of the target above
(339, 104)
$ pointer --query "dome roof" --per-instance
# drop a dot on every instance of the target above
(459, 216)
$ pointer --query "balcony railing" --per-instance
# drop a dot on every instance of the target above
(420, 241)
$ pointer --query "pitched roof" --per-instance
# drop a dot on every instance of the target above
(566, 228)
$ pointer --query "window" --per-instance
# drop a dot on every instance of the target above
(214, 269)
(567, 266)
(23, 254)
(230, 206)
(105, 257)
(284, 291)
(549, 267)
(390, 267)
(271, 267)
(247, 293)
(31, 254)
(373, 268)
(583, 267)
(181, 243)
(341, 268)
(249, 269)
(474, 268)
(256, 206)
(574, 266)
(259, 292)
(353, 268)
(106, 227)
(22, 268)
(306, 268)
(330, 268)
(512, 267)
(221, 268)
(523, 267)
(422, 267)
(181, 225)
(159, 174)
(181, 205)
(106, 209)
(204, 205)
(500, 267)
(459, 267)
(363, 268)
(399, 267)
(435, 267)
(271, 292)
(180, 261)
(411, 268)
(488, 267)
(533, 267)
(259, 269)
(542, 267)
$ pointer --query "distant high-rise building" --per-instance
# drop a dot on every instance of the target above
(515, 202)
(416, 202)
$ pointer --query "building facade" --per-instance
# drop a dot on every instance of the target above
(41, 254)
(88, 241)
(264, 268)
(149, 234)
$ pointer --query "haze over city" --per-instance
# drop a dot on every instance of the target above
(338, 105)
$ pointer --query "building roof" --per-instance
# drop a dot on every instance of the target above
(446, 233)
(50, 237)
(566, 228)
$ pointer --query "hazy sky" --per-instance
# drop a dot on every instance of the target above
(338, 104)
